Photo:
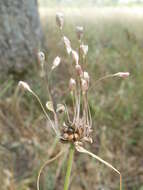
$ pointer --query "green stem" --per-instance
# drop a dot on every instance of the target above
(69, 167)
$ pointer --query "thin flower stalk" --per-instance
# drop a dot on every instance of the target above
(119, 74)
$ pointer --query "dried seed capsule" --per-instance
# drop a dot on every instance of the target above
(65, 130)
(70, 137)
(70, 130)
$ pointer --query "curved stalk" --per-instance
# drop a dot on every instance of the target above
(38, 99)
(44, 165)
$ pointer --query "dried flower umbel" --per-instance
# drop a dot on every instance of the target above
(76, 129)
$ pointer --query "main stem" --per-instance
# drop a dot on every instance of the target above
(69, 167)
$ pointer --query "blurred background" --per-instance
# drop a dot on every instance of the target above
(113, 30)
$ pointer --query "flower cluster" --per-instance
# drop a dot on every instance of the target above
(77, 128)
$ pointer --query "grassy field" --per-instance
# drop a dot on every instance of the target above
(115, 40)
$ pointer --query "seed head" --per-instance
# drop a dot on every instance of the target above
(60, 20)
(72, 84)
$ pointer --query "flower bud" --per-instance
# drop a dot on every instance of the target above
(79, 32)
(67, 44)
(122, 74)
(78, 69)
(86, 76)
(56, 62)
(60, 19)
(41, 57)
(72, 84)
(75, 56)
(24, 86)
(84, 85)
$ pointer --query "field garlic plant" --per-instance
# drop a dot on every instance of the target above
(76, 129)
